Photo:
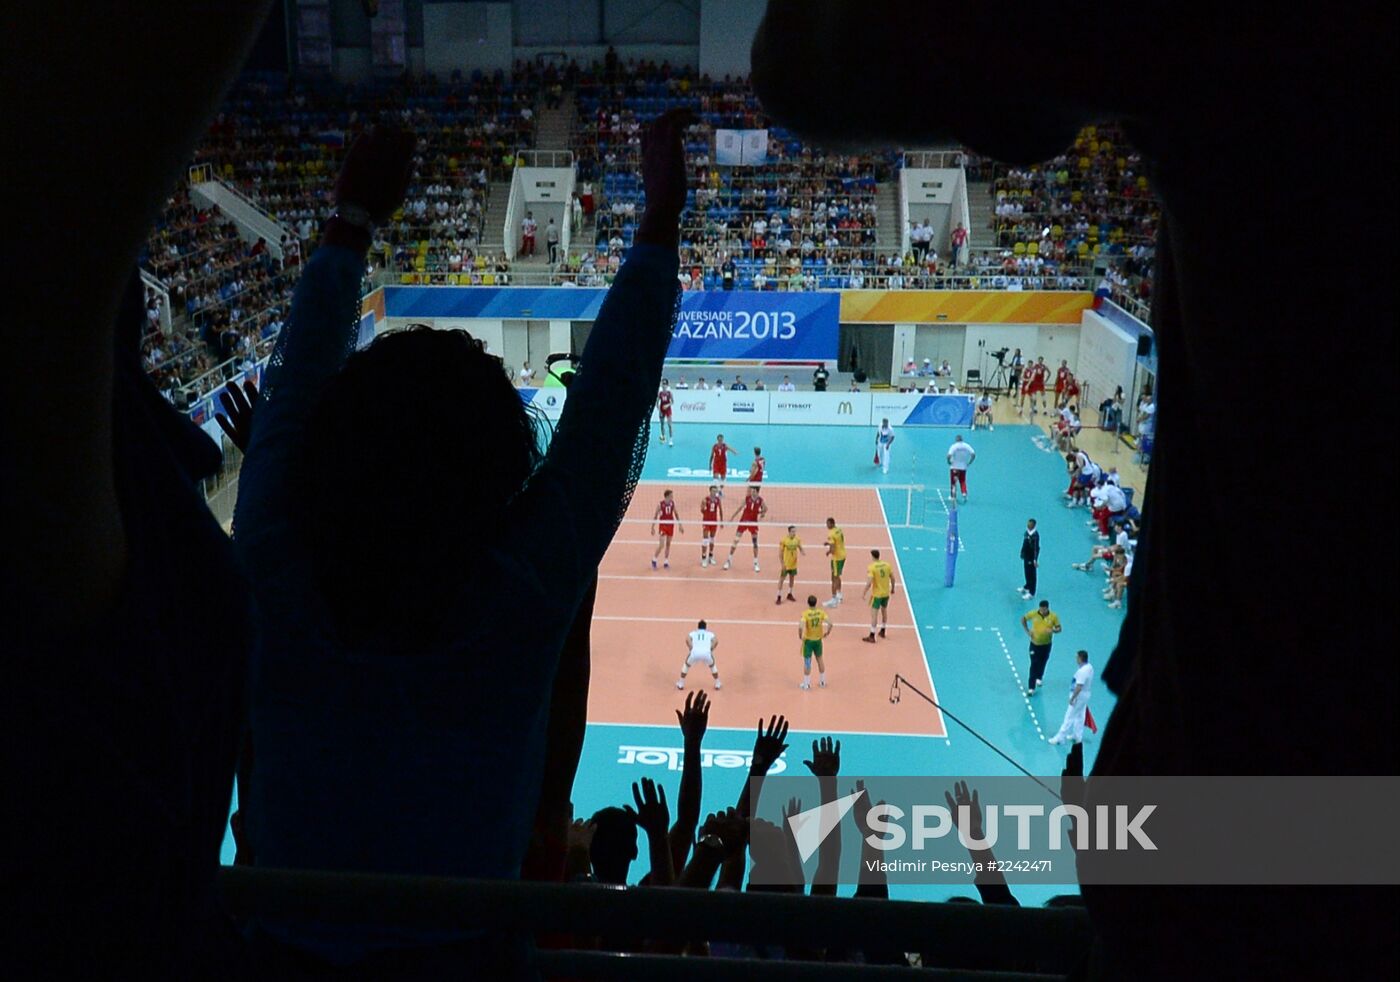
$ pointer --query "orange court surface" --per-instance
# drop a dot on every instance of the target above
(642, 618)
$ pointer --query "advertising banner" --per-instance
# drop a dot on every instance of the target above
(718, 406)
(820, 408)
(548, 401)
(747, 325)
(915, 409)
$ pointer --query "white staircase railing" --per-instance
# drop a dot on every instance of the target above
(252, 222)
(156, 285)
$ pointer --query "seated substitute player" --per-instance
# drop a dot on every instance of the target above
(982, 412)
(813, 629)
(664, 400)
(700, 645)
(664, 521)
(836, 552)
(789, 546)
(750, 511)
(719, 459)
(758, 467)
(879, 584)
(711, 518)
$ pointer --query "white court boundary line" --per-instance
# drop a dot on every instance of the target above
(1015, 673)
(923, 654)
(810, 485)
(786, 622)
(750, 730)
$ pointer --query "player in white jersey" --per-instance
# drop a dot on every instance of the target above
(700, 645)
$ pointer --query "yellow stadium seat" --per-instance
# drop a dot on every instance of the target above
(1098, 248)
(405, 277)
(1032, 248)
(1019, 248)
(420, 263)
(1076, 196)
(1082, 249)
(488, 279)
(1057, 232)
(1083, 163)
(451, 279)
(1142, 182)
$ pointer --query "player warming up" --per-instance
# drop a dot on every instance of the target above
(879, 584)
(790, 547)
(664, 522)
(758, 467)
(664, 400)
(719, 459)
(749, 513)
(813, 629)
(700, 645)
(711, 518)
(836, 552)
(960, 458)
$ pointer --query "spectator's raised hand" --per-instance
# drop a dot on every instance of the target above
(960, 797)
(237, 418)
(664, 177)
(826, 758)
(769, 745)
(376, 172)
(730, 826)
(695, 717)
(651, 813)
(864, 806)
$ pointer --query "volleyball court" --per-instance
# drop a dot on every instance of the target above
(643, 615)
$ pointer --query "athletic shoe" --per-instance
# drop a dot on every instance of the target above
(673, 443)
(990, 427)
(869, 639)
(822, 683)
(666, 564)
(653, 564)
(755, 565)
(680, 683)
(1115, 605)
(779, 601)
(792, 598)
(882, 632)
(829, 603)
(704, 561)
(805, 685)
(1056, 740)
(719, 684)
(1036, 689)
(726, 564)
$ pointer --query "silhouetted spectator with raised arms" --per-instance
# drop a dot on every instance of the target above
(416, 584)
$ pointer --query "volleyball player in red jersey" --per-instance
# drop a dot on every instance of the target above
(750, 511)
(719, 459)
(664, 522)
(664, 399)
(758, 467)
(1062, 377)
(1039, 373)
(1071, 389)
(711, 518)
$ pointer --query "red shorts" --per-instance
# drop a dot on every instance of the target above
(665, 414)
(1037, 386)
(755, 478)
(752, 529)
(708, 531)
(666, 528)
(718, 469)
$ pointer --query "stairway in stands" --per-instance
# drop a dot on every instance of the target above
(555, 126)
(888, 234)
(493, 225)
(980, 234)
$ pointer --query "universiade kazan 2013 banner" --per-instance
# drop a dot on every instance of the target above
(715, 324)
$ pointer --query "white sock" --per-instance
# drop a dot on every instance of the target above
(823, 676)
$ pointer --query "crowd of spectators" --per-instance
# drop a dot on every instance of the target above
(1093, 201)
(225, 295)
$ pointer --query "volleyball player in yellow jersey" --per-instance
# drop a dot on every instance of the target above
(836, 552)
(789, 546)
(813, 629)
(879, 584)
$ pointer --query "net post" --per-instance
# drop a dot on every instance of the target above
(950, 565)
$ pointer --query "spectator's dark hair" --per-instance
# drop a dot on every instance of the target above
(614, 844)
(388, 491)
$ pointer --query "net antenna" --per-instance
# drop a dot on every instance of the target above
(901, 682)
